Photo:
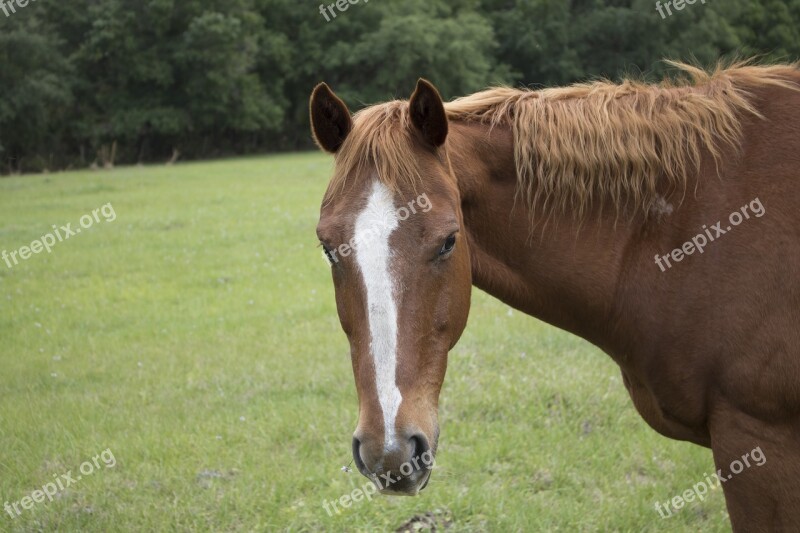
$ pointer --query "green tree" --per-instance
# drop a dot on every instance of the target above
(36, 83)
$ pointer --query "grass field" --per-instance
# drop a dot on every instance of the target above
(196, 338)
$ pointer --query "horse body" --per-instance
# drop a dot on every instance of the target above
(709, 347)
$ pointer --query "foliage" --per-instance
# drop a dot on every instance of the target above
(212, 78)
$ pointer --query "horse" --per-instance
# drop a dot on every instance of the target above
(658, 222)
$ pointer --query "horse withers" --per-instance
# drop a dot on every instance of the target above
(568, 204)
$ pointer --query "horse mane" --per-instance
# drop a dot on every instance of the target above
(603, 141)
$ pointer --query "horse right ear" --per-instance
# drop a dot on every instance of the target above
(330, 119)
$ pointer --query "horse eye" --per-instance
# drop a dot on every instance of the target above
(448, 246)
(328, 254)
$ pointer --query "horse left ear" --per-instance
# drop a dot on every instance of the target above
(428, 114)
(330, 119)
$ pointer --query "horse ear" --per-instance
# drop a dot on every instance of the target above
(428, 114)
(330, 119)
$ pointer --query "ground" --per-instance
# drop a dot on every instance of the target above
(195, 339)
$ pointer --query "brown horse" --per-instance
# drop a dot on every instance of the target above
(659, 222)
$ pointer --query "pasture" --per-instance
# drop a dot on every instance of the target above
(196, 337)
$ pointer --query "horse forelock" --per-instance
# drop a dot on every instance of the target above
(381, 144)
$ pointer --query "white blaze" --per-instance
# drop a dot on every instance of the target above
(374, 226)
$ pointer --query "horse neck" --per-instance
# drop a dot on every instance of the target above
(563, 272)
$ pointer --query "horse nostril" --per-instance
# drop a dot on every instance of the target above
(357, 457)
(419, 444)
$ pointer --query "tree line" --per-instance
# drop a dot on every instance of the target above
(98, 82)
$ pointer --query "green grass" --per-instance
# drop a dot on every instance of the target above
(196, 337)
